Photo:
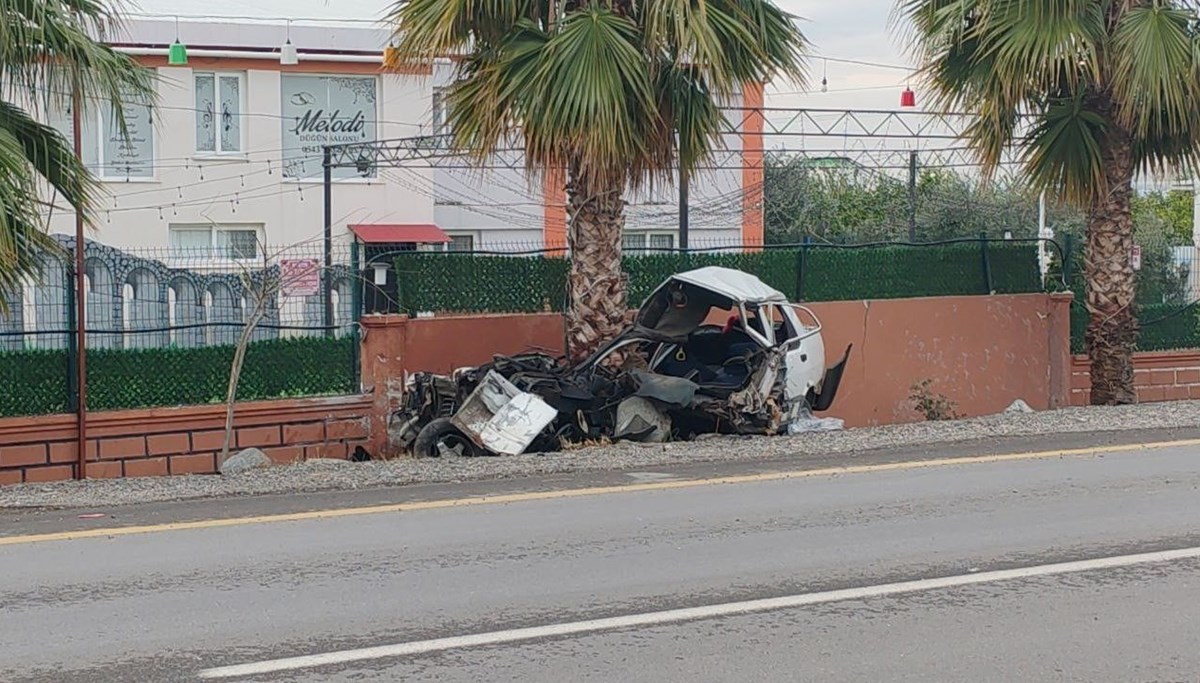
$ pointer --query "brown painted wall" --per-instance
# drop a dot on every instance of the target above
(140, 443)
(981, 352)
(1158, 376)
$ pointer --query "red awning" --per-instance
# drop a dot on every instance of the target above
(421, 233)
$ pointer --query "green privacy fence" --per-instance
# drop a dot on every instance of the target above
(37, 381)
(1167, 314)
(1164, 327)
(496, 283)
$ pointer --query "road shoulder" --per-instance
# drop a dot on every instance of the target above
(30, 522)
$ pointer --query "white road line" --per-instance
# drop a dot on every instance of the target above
(688, 614)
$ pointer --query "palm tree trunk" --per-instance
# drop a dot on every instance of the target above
(597, 288)
(1112, 330)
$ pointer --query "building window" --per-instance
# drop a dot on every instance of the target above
(326, 110)
(648, 242)
(461, 243)
(108, 151)
(215, 242)
(458, 242)
(440, 111)
(219, 113)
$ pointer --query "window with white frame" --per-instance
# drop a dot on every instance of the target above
(215, 242)
(440, 111)
(110, 151)
(219, 112)
(648, 242)
(461, 241)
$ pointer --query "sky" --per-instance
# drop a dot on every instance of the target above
(846, 29)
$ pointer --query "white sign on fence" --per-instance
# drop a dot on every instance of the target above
(300, 277)
(1135, 259)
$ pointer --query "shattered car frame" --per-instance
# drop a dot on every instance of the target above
(712, 350)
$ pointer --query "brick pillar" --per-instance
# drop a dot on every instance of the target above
(383, 350)
(1058, 326)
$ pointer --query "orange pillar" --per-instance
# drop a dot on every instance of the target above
(752, 165)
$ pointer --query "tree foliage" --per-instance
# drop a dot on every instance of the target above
(857, 204)
(1091, 92)
(853, 205)
(1173, 209)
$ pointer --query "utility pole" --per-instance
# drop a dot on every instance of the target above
(912, 196)
(683, 206)
(80, 292)
(1044, 234)
(327, 276)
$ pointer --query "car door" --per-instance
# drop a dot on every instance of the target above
(804, 350)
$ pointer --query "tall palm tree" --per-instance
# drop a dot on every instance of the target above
(1093, 92)
(47, 49)
(616, 93)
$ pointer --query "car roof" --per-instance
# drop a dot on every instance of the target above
(734, 284)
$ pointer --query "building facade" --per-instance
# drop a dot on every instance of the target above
(231, 156)
(222, 179)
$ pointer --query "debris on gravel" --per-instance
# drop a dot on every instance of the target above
(321, 476)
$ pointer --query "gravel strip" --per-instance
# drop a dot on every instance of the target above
(338, 475)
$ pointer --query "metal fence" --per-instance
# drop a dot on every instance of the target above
(162, 325)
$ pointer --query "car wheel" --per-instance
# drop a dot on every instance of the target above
(441, 436)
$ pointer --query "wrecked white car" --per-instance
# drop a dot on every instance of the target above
(712, 350)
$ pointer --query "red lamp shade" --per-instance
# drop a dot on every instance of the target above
(908, 98)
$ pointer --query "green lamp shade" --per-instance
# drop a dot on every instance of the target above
(177, 55)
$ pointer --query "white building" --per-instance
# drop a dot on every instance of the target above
(232, 156)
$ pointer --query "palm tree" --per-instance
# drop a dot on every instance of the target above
(47, 49)
(617, 94)
(1093, 92)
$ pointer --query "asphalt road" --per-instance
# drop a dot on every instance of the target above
(170, 605)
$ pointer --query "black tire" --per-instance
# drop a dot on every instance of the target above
(442, 431)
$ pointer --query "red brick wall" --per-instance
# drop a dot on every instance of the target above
(138, 443)
(1158, 375)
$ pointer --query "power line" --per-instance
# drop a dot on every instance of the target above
(863, 62)
(263, 19)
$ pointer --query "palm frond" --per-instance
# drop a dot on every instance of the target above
(730, 41)
(49, 49)
(47, 153)
(1064, 151)
(1154, 68)
(575, 108)
(493, 86)
(431, 29)
(690, 112)
(617, 92)
(24, 245)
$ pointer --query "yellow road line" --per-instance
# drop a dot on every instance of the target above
(581, 492)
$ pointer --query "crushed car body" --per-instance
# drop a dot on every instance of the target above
(712, 350)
